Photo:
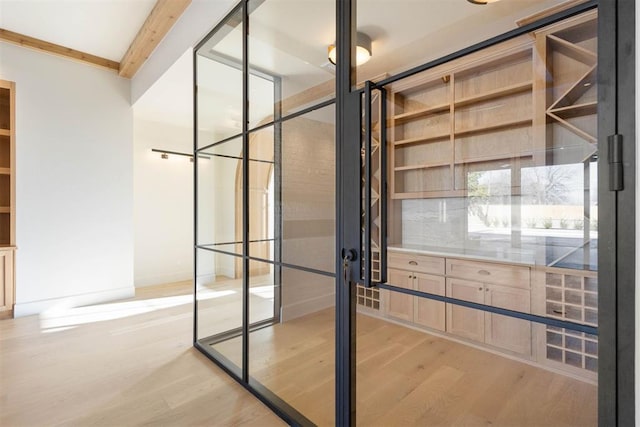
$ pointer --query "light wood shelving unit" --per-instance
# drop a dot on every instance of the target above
(529, 102)
(7, 198)
(442, 123)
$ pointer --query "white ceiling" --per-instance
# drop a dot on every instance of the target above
(104, 28)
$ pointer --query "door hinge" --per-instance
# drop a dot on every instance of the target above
(615, 162)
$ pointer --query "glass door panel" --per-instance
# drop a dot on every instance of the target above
(220, 289)
(219, 82)
(491, 295)
(293, 357)
(289, 39)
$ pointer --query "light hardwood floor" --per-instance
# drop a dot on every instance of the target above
(139, 368)
(136, 368)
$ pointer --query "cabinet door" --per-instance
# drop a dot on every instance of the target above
(463, 321)
(428, 312)
(399, 305)
(507, 332)
(6, 281)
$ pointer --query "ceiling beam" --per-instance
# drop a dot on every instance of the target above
(56, 49)
(164, 14)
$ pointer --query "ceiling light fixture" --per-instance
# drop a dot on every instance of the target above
(363, 49)
(482, 1)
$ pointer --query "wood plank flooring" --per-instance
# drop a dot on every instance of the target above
(136, 367)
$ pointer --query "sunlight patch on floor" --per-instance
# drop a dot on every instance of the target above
(59, 318)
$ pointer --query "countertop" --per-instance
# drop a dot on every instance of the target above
(558, 252)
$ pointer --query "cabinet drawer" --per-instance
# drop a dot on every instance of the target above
(416, 263)
(507, 275)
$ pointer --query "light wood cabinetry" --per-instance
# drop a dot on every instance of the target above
(472, 113)
(7, 197)
(498, 285)
(409, 271)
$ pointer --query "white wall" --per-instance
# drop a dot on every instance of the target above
(74, 226)
(163, 204)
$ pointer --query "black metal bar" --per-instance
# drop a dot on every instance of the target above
(236, 332)
(626, 71)
(176, 153)
(238, 242)
(490, 42)
(607, 253)
(348, 217)
(383, 185)
(245, 192)
(277, 198)
(497, 310)
(294, 115)
(222, 141)
(195, 197)
(366, 256)
(275, 121)
(268, 261)
(206, 248)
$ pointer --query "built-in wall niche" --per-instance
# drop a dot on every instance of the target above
(5, 116)
(7, 197)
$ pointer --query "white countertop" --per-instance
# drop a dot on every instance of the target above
(488, 253)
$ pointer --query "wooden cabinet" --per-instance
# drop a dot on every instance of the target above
(463, 321)
(498, 285)
(400, 305)
(508, 332)
(7, 290)
(421, 311)
(427, 312)
(7, 197)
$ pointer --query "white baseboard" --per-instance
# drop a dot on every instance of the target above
(292, 311)
(162, 279)
(37, 307)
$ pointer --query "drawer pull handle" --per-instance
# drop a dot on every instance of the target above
(558, 311)
(484, 272)
(480, 288)
(413, 263)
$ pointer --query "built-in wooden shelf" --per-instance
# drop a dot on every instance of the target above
(498, 93)
(579, 88)
(494, 127)
(404, 117)
(5, 171)
(581, 133)
(577, 110)
(422, 166)
(5, 132)
(573, 50)
(5, 209)
(423, 139)
(505, 157)
(428, 194)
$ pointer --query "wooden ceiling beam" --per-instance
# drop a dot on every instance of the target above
(56, 49)
(164, 14)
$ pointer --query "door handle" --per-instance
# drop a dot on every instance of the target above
(368, 152)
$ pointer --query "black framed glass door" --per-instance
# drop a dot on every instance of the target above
(413, 239)
(265, 238)
(491, 290)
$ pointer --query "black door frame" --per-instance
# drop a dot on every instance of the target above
(616, 257)
(616, 116)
